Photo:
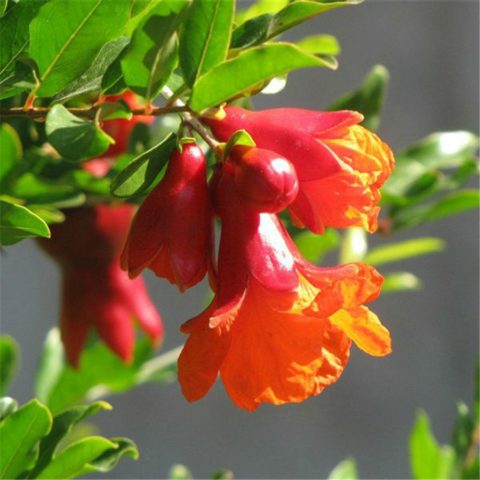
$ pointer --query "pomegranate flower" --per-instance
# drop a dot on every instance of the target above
(96, 293)
(340, 165)
(278, 330)
(172, 231)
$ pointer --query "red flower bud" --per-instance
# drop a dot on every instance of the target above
(172, 230)
(266, 180)
(96, 293)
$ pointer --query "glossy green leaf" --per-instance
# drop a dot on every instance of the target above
(143, 171)
(442, 149)
(320, 44)
(91, 79)
(427, 458)
(7, 407)
(10, 152)
(267, 25)
(48, 213)
(368, 98)
(9, 355)
(395, 252)
(75, 458)
(248, 70)
(109, 458)
(18, 222)
(345, 470)
(300, 11)
(100, 369)
(3, 7)
(180, 472)
(205, 37)
(452, 204)
(14, 33)
(20, 433)
(21, 79)
(152, 55)
(240, 137)
(62, 425)
(73, 137)
(260, 7)
(66, 36)
(314, 247)
(401, 282)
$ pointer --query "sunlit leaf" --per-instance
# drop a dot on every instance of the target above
(345, 470)
(320, 44)
(205, 37)
(395, 252)
(10, 151)
(20, 433)
(180, 472)
(249, 69)
(7, 407)
(65, 36)
(427, 458)
(18, 222)
(401, 282)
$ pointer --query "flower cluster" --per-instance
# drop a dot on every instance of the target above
(278, 329)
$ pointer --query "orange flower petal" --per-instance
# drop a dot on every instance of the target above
(201, 357)
(365, 329)
(276, 357)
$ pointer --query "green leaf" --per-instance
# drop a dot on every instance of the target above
(205, 37)
(14, 34)
(10, 151)
(354, 245)
(144, 170)
(180, 472)
(48, 213)
(21, 79)
(240, 137)
(267, 25)
(152, 55)
(100, 369)
(400, 282)
(76, 457)
(20, 433)
(3, 7)
(9, 353)
(442, 149)
(345, 470)
(91, 79)
(462, 435)
(300, 11)
(66, 36)
(108, 460)
(18, 222)
(314, 247)
(427, 458)
(260, 7)
(62, 425)
(368, 98)
(223, 475)
(320, 44)
(7, 407)
(248, 70)
(452, 204)
(395, 252)
(73, 137)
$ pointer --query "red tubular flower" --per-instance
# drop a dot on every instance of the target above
(172, 231)
(264, 179)
(340, 165)
(278, 330)
(121, 128)
(95, 291)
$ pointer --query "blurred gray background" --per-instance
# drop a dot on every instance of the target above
(431, 50)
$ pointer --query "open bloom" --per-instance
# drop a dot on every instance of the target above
(96, 293)
(172, 231)
(340, 165)
(278, 330)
